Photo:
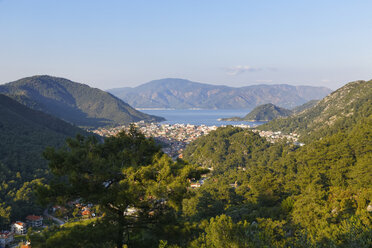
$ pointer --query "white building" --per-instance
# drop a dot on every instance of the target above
(19, 227)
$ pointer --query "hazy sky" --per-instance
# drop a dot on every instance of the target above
(111, 43)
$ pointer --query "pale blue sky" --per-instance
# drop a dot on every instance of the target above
(111, 43)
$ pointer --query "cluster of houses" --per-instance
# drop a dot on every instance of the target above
(19, 228)
(197, 183)
(84, 210)
(175, 136)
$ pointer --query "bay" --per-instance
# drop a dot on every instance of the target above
(208, 117)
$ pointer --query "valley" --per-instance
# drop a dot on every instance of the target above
(257, 173)
(185, 124)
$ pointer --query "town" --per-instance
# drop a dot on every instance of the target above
(174, 138)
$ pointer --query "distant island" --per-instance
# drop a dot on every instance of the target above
(264, 112)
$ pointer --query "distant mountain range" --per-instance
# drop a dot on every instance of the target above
(73, 102)
(264, 112)
(338, 111)
(184, 94)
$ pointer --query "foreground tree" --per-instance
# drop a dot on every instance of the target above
(127, 176)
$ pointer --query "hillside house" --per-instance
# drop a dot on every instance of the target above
(34, 220)
(19, 227)
(86, 213)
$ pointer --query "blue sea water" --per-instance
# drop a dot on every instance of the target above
(208, 117)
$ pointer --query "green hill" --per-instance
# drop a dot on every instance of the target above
(24, 134)
(265, 112)
(282, 195)
(263, 194)
(73, 102)
(340, 109)
(227, 147)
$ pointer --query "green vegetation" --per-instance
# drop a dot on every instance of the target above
(265, 112)
(339, 110)
(139, 189)
(73, 102)
(269, 195)
(229, 148)
(257, 193)
(311, 196)
(24, 134)
(304, 106)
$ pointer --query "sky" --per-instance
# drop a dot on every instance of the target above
(109, 44)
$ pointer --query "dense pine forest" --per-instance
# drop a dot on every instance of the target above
(254, 193)
(24, 135)
(185, 124)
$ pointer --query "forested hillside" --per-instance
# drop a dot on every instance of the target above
(318, 195)
(304, 106)
(24, 134)
(267, 195)
(254, 194)
(264, 112)
(73, 102)
(339, 110)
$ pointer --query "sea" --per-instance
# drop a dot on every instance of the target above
(208, 117)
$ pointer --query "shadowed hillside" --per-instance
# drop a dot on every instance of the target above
(73, 102)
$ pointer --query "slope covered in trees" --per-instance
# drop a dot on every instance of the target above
(228, 148)
(257, 194)
(317, 195)
(279, 195)
(338, 110)
(311, 196)
(139, 188)
(24, 134)
(264, 112)
(73, 102)
(304, 106)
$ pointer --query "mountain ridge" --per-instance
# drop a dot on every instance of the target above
(73, 102)
(184, 94)
(340, 108)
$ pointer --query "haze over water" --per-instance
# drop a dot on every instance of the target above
(208, 117)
